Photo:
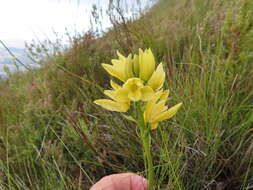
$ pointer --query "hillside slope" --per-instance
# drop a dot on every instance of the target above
(54, 137)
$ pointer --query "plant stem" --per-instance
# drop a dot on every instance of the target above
(147, 149)
(146, 142)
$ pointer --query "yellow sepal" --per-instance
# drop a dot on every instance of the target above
(146, 64)
(112, 105)
(157, 79)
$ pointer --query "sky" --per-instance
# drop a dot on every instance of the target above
(23, 20)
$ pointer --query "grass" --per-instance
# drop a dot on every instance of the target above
(54, 137)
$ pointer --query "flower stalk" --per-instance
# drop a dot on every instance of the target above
(146, 143)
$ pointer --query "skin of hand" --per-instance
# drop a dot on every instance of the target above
(124, 181)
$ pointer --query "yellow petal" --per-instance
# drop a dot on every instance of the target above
(133, 87)
(153, 126)
(116, 96)
(121, 95)
(133, 84)
(148, 110)
(121, 57)
(160, 107)
(146, 64)
(157, 96)
(134, 95)
(114, 85)
(164, 95)
(150, 104)
(136, 65)
(112, 105)
(147, 93)
(140, 52)
(157, 109)
(166, 114)
(129, 67)
(115, 71)
(117, 62)
(158, 77)
(119, 65)
(110, 93)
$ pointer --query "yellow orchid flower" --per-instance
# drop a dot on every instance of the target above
(146, 64)
(156, 110)
(134, 90)
(121, 68)
(157, 79)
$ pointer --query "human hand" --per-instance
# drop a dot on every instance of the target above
(124, 181)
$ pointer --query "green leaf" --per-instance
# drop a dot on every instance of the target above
(130, 118)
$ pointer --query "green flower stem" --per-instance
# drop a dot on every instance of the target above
(146, 142)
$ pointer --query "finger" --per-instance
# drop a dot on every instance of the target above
(113, 182)
(124, 181)
(138, 183)
(129, 181)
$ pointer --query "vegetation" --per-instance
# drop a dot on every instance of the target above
(54, 137)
